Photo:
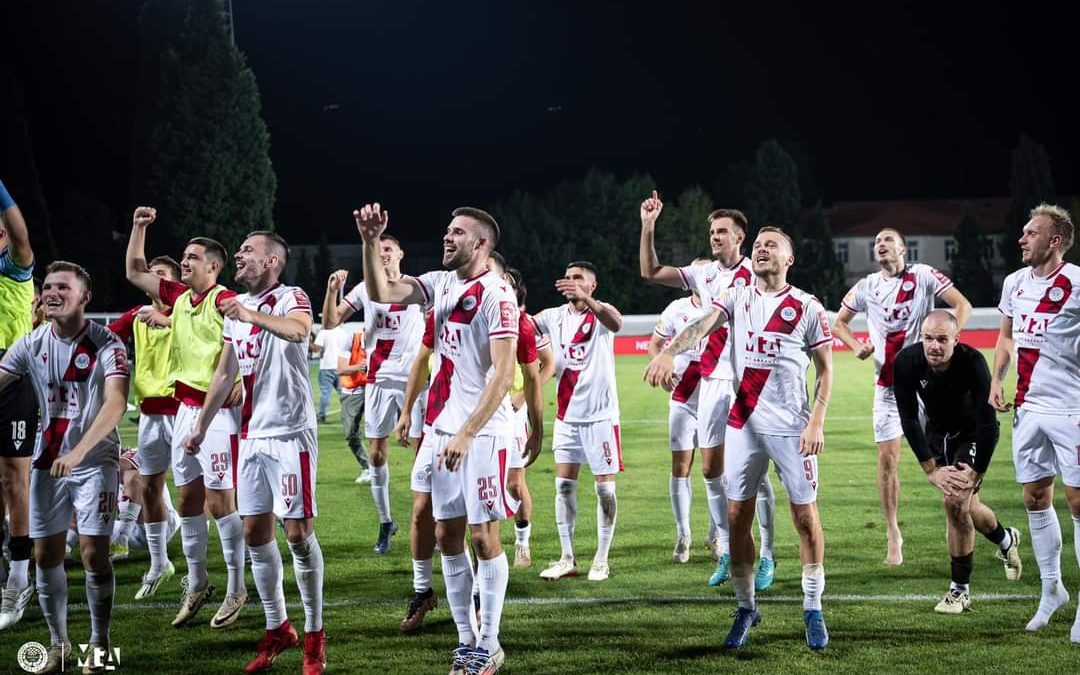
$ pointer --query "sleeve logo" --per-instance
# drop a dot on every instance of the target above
(507, 313)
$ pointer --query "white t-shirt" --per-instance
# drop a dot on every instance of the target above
(277, 391)
(895, 308)
(469, 315)
(1045, 317)
(772, 336)
(584, 351)
(330, 340)
(676, 317)
(392, 335)
(709, 281)
(69, 380)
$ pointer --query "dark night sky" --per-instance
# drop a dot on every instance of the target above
(429, 105)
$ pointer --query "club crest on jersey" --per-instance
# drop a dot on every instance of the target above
(787, 314)
(82, 361)
(908, 285)
(739, 281)
(468, 303)
(1056, 294)
(586, 327)
(266, 308)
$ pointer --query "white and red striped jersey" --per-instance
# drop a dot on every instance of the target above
(772, 336)
(584, 351)
(709, 281)
(675, 317)
(69, 377)
(391, 335)
(895, 308)
(277, 391)
(469, 315)
(1045, 315)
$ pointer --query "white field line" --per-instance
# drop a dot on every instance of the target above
(632, 600)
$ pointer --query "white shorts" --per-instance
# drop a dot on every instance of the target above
(886, 417)
(277, 475)
(476, 491)
(89, 493)
(521, 437)
(682, 426)
(382, 406)
(421, 468)
(714, 405)
(419, 410)
(1045, 445)
(594, 443)
(746, 462)
(155, 443)
(216, 460)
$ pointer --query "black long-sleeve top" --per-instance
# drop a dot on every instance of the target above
(956, 401)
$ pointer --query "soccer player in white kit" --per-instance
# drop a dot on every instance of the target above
(266, 332)
(775, 330)
(731, 269)
(468, 412)
(896, 300)
(79, 370)
(1040, 307)
(392, 339)
(582, 334)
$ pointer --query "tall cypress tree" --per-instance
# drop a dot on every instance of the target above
(970, 269)
(1030, 183)
(201, 148)
(816, 268)
(772, 191)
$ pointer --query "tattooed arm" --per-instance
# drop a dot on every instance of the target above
(662, 368)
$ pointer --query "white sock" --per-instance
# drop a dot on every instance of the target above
(522, 534)
(953, 586)
(766, 513)
(18, 574)
(1075, 634)
(380, 491)
(156, 543)
(231, 532)
(494, 574)
(71, 540)
(742, 581)
(566, 513)
(607, 509)
(129, 513)
(421, 575)
(52, 596)
(194, 533)
(267, 569)
(1046, 545)
(457, 573)
(99, 595)
(714, 488)
(813, 585)
(308, 567)
(679, 489)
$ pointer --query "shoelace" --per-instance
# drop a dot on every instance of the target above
(414, 604)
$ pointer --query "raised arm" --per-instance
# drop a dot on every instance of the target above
(335, 313)
(503, 358)
(371, 221)
(138, 272)
(651, 269)
(1002, 357)
(18, 236)
(961, 306)
(812, 440)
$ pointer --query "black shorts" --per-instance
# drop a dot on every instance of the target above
(953, 451)
(18, 419)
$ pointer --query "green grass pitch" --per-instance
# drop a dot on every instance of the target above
(652, 616)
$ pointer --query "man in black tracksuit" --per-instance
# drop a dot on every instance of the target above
(952, 381)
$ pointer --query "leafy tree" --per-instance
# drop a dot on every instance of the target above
(306, 278)
(1030, 183)
(201, 149)
(98, 250)
(816, 268)
(323, 265)
(970, 268)
(772, 190)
